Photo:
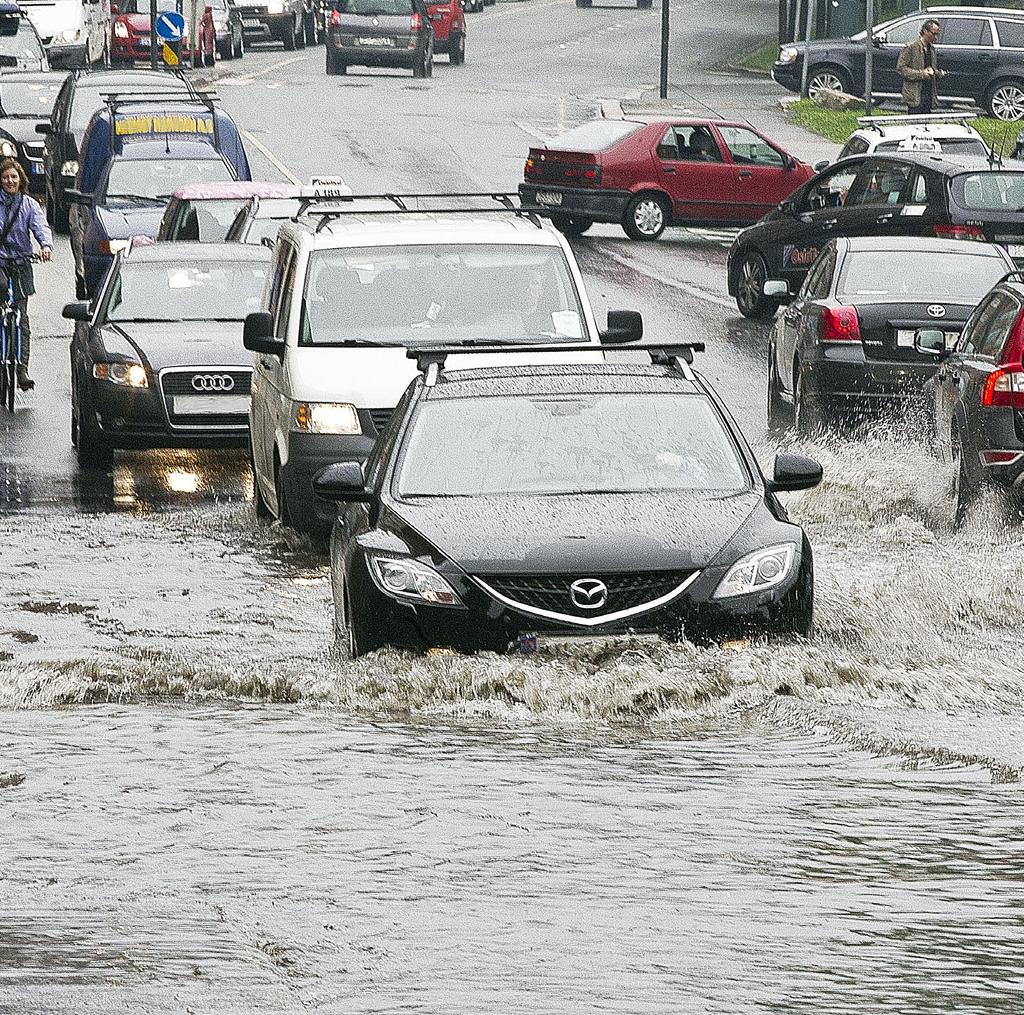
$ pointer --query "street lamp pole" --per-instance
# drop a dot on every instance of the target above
(663, 89)
(869, 52)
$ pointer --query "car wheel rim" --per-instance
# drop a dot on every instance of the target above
(1008, 103)
(752, 282)
(649, 217)
(820, 81)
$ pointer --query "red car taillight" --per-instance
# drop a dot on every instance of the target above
(839, 325)
(959, 233)
(530, 169)
(335, 18)
(1004, 387)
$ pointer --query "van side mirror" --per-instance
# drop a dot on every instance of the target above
(44, 128)
(794, 472)
(623, 326)
(258, 335)
(342, 481)
(76, 312)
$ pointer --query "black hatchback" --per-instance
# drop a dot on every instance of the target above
(506, 505)
(906, 194)
(380, 33)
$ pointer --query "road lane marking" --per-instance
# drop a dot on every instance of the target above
(248, 79)
(274, 160)
(674, 283)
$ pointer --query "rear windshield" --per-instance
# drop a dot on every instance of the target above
(996, 190)
(21, 48)
(206, 221)
(924, 275)
(594, 137)
(30, 99)
(574, 444)
(153, 179)
(379, 7)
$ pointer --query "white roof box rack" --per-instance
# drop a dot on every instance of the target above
(904, 120)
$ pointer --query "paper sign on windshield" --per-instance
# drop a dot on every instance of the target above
(138, 124)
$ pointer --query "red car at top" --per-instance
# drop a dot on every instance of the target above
(130, 32)
(647, 175)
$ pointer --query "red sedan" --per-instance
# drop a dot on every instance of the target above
(649, 175)
(130, 33)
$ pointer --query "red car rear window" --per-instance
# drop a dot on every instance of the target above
(597, 136)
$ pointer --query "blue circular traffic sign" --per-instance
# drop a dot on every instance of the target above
(170, 26)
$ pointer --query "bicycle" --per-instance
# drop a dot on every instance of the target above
(10, 331)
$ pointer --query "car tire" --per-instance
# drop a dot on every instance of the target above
(457, 49)
(645, 217)
(571, 225)
(356, 639)
(283, 514)
(811, 416)
(643, 5)
(92, 448)
(334, 64)
(780, 415)
(260, 506)
(830, 76)
(288, 38)
(240, 50)
(226, 52)
(966, 488)
(300, 32)
(419, 69)
(750, 297)
(583, 3)
(1005, 99)
(309, 29)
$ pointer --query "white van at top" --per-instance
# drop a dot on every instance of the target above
(348, 295)
(75, 33)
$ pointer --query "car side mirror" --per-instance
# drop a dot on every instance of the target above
(930, 341)
(623, 326)
(777, 288)
(794, 472)
(342, 481)
(76, 312)
(820, 165)
(879, 40)
(258, 335)
(44, 128)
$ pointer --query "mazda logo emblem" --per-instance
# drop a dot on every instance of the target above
(213, 382)
(935, 310)
(588, 593)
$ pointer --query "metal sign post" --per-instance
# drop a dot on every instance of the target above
(869, 53)
(169, 28)
(154, 46)
(663, 85)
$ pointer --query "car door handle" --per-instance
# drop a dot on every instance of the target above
(828, 223)
(668, 169)
(746, 174)
(887, 217)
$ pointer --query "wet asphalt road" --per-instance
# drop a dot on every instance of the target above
(204, 810)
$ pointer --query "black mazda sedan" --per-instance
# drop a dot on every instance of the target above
(506, 505)
(157, 358)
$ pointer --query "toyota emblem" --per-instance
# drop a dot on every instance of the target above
(588, 593)
(213, 382)
(937, 310)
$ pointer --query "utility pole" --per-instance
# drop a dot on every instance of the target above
(153, 42)
(663, 89)
(805, 13)
(869, 52)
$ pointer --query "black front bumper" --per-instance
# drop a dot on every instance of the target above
(788, 75)
(598, 205)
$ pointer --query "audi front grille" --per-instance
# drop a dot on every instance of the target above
(190, 397)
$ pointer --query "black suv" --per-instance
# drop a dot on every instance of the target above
(503, 505)
(978, 397)
(902, 194)
(981, 49)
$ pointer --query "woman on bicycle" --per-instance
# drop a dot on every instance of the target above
(21, 218)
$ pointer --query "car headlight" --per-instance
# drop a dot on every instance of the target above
(412, 580)
(131, 375)
(326, 417)
(8, 150)
(71, 35)
(275, 7)
(70, 168)
(788, 54)
(757, 571)
(120, 30)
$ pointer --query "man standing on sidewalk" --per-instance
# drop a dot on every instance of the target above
(918, 65)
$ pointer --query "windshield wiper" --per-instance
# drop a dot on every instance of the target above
(135, 197)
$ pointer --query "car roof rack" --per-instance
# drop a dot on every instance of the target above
(905, 119)
(117, 102)
(334, 206)
(430, 360)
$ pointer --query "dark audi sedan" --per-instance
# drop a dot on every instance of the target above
(862, 335)
(380, 33)
(506, 505)
(157, 359)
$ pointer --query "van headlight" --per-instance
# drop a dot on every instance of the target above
(757, 571)
(8, 150)
(325, 417)
(411, 580)
(788, 54)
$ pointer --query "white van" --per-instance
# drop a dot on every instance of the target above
(349, 293)
(76, 33)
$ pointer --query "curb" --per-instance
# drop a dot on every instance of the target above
(749, 72)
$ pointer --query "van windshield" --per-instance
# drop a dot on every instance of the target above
(435, 293)
(29, 99)
(22, 49)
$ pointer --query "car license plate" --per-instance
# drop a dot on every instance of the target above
(530, 643)
(550, 198)
(1015, 249)
(377, 40)
(252, 23)
(36, 168)
(210, 405)
(905, 337)
(144, 40)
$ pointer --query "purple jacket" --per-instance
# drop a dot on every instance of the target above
(31, 221)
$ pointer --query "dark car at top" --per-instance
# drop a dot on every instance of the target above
(281, 21)
(863, 334)
(981, 50)
(157, 359)
(977, 400)
(506, 504)
(649, 175)
(900, 194)
(26, 99)
(82, 93)
(380, 33)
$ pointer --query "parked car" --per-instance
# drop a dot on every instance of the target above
(448, 19)
(157, 359)
(274, 21)
(131, 33)
(629, 502)
(20, 45)
(980, 48)
(260, 218)
(75, 33)
(649, 175)
(951, 133)
(26, 100)
(861, 336)
(977, 397)
(80, 96)
(641, 4)
(380, 33)
(227, 26)
(903, 194)
(204, 212)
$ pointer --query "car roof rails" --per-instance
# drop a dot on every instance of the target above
(902, 120)
(129, 102)
(430, 360)
(334, 205)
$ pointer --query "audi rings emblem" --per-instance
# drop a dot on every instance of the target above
(588, 593)
(936, 310)
(213, 382)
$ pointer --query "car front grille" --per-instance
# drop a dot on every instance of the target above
(552, 592)
(34, 150)
(179, 382)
